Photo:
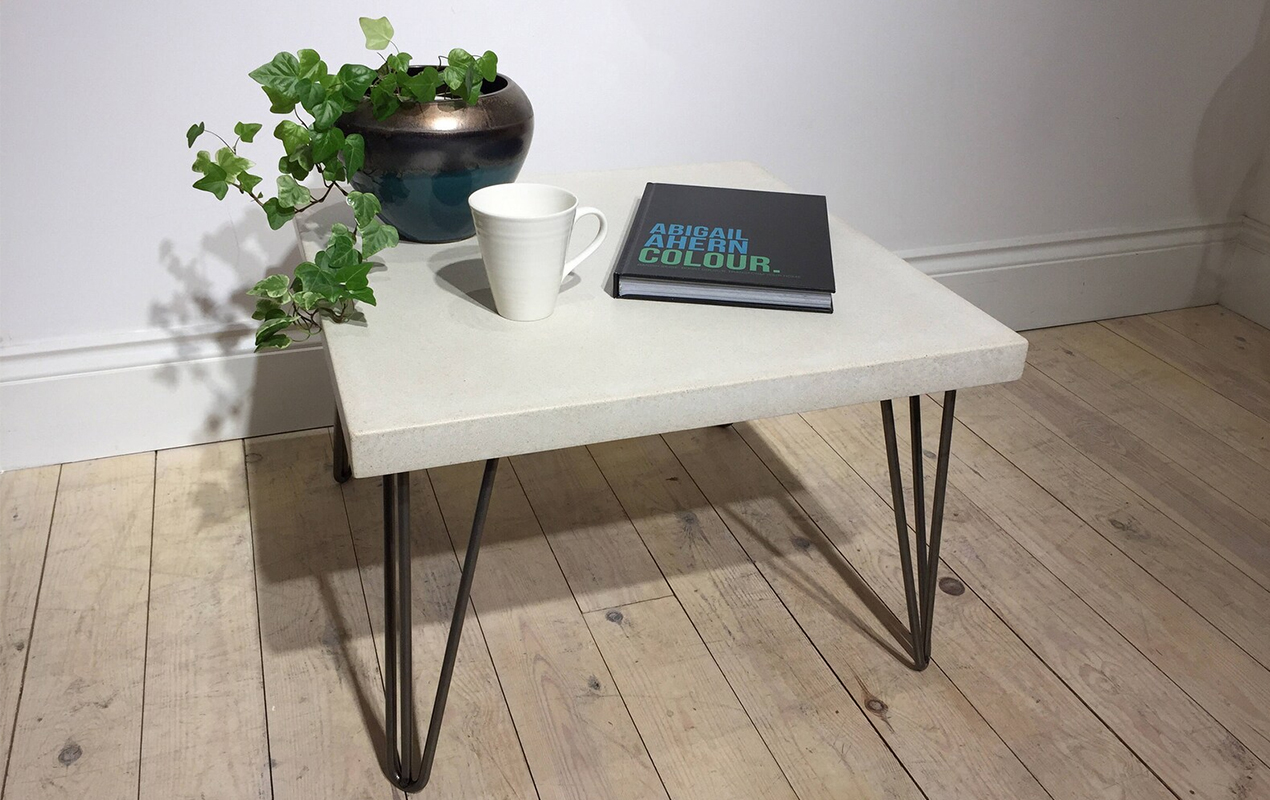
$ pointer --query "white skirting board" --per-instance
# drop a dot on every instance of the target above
(71, 401)
(1246, 285)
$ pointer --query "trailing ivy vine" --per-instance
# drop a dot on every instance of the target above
(312, 99)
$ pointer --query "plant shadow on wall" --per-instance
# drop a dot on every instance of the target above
(1233, 136)
(206, 323)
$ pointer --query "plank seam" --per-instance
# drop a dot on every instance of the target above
(582, 616)
(145, 651)
(48, 536)
(692, 622)
(807, 636)
(843, 556)
(260, 635)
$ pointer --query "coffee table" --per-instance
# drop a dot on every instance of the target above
(436, 377)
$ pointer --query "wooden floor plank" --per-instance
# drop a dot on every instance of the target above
(322, 682)
(26, 512)
(1195, 360)
(78, 731)
(1067, 748)
(204, 733)
(1172, 733)
(577, 734)
(1240, 342)
(1229, 683)
(599, 550)
(946, 746)
(1208, 583)
(1186, 443)
(1227, 421)
(1206, 513)
(479, 754)
(696, 730)
(819, 736)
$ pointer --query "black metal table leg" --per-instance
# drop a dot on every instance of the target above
(399, 717)
(919, 598)
(340, 466)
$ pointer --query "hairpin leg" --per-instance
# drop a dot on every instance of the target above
(340, 466)
(919, 589)
(399, 717)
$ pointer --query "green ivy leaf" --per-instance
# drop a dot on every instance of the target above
(293, 137)
(487, 65)
(339, 256)
(203, 161)
(247, 130)
(267, 308)
(326, 144)
(327, 114)
(423, 86)
(366, 295)
(291, 193)
(354, 152)
(213, 181)
(354, 80)
(378, 32)
(453, 76)
(384, 99)
(309, 64)
(193, 133)
(307, 301)
(280, 102)
(271, 327)
(377, 236)
(273, 287)
(277, 214)
(298, 165)
(281, 74)
(278, 341)
(335, 171)
(248, 182)
(311, 94)
(399, 62)
(471, 86)
(365, 206)
(353, 276)
(313, 278)
(460, 58)
(231, 162)
(339, 231)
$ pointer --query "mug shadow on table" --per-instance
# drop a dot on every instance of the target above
(461, 272)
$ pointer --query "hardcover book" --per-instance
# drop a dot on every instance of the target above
(704, 244)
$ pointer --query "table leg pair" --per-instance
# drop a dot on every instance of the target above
(399, 718)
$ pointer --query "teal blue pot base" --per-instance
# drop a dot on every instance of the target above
(432, 208)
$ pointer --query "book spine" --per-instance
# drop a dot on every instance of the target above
(638, 226)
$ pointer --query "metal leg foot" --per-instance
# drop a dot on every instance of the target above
(399, 717)
(919, 578)
(341, 468)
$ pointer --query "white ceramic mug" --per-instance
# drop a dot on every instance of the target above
(523, 230)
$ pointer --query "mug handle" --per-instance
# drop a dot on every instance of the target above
(573, 263)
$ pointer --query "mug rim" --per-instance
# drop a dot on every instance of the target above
(480, 195)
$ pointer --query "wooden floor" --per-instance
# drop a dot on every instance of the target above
(708, 614)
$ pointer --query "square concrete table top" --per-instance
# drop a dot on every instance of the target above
(434, 376)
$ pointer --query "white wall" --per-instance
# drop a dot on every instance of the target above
(942, 129)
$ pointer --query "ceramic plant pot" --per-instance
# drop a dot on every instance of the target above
(424, 160)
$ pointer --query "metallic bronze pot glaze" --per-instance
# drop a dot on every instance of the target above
(425, 160)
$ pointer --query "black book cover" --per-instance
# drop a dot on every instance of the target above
(734, 237)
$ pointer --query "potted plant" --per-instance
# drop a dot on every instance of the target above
(414, 142)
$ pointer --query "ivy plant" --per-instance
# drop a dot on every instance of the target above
(312, 99)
